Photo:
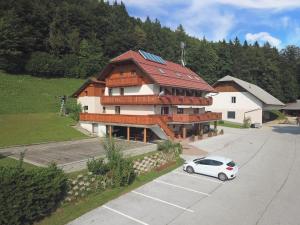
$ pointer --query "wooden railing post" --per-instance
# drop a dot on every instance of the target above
(128, 133)
(145, 134)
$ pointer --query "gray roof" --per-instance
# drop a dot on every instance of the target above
(293, 106)
(258, 92)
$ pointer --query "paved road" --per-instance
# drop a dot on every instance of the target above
(266, 191)
(72, 155)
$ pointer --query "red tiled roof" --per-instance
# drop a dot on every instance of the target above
(174, 74)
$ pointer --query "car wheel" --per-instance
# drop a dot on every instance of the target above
(190, 169)
(222, 176)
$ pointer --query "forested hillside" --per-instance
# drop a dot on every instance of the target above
(76, 38)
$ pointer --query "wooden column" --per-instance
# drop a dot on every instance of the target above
(128, 133)
(145, 135)
(201, 129)
(184, 132)
(110, 131)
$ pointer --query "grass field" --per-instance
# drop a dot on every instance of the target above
(228, 124)
(24, 129)
(6, 161)
(27, 94)
(29, 110)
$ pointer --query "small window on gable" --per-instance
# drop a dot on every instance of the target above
(233, 99)
(161, 71)
(85, 93)
(133, 72)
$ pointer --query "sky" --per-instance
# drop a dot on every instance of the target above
(275, 21)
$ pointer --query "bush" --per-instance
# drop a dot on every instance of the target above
(29, 195)
(73, 109)
(97, 166)
(121, 170)
(247, 122)
(170, 147)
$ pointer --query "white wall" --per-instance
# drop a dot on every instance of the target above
(93, 103)
(89, 127)
(145, 89)
(132, 109)
(245, 102)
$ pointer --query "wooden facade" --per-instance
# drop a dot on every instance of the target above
(228, 86)
(93, 89)
(155, 100)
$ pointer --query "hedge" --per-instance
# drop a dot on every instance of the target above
(27, 196)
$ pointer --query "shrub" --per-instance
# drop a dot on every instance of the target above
(221, 132)
(29, 195)
(74, 110)
(247, 122)
(170, 147)
(97, 166)
(121, 170)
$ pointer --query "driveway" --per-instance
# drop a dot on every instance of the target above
(72, 155)
(266, 190)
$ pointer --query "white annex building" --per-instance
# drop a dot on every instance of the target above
(238, 99)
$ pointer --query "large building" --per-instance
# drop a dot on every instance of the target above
(140, 96)
(237, 99)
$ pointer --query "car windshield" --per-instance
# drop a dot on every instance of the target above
(231, 164)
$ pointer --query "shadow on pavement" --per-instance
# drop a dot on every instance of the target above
(287, 129)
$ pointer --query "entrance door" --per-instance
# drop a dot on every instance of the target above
(95, 128)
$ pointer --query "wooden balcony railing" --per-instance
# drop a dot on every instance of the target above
(150, 119)
(124, 82)
(155, 100)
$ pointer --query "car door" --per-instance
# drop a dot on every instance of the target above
(203, 166)
(215, 167)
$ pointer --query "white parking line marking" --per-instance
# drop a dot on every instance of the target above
(122, 214)
(198, 177)
(159, 200)
(181, 187)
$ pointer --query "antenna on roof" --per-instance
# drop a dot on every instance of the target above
(182, 46)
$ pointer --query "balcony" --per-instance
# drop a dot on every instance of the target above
(124, 82)
(155, 100)
(150, 119)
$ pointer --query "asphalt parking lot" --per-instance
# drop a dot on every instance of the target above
(266, 190)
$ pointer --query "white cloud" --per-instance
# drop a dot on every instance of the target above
(263, 37)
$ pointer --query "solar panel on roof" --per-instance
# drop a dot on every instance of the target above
(152, 57)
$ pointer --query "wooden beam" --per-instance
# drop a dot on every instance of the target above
(184, 132)
(145, 135)
(110, 131)
(128, 133)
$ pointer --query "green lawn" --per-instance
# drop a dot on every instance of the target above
(29, 110)
(71, 211)
(27, 94)
(24, 129)
(228, 124)
(6, 161)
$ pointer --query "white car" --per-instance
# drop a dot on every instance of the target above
(215, 166)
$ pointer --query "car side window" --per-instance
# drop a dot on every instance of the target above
(203, 162)
(216, 163)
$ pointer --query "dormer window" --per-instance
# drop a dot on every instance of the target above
(161, 71)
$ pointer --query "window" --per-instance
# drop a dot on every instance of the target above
(85, 108)
(231, 164)
(117, 109)
(164, 110)
(121, 91)
(103, 109)
(110, 91)
(86, 93)
(233, 99)
(231, 115)
(203, 162)
(215, 163)
(196, 111)
(133, 73)
(179, 110)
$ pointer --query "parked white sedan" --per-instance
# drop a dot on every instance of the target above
(215, 166)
